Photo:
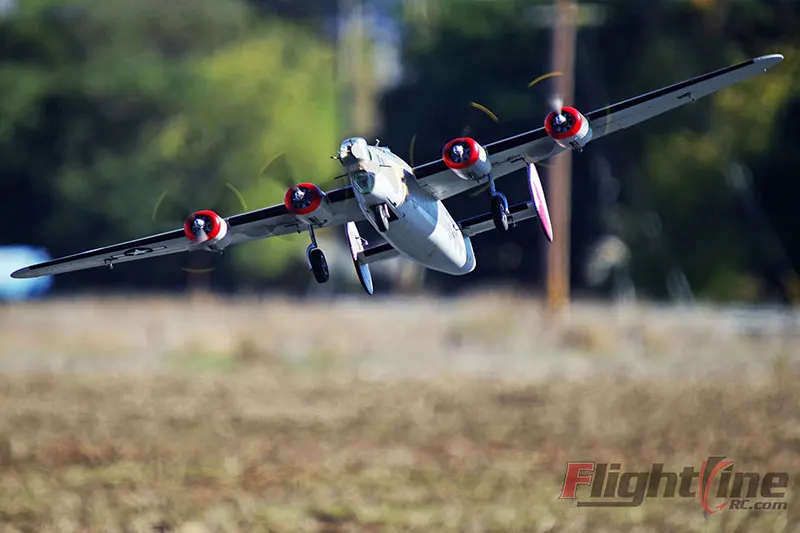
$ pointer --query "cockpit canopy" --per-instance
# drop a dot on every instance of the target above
(353, 150)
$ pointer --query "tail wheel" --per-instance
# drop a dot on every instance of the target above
(319, 265)
(500, 213)
(381, 213)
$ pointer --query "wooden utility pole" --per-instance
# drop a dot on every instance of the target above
(355, 69)
(560, 172)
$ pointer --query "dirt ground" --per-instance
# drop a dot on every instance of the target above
(208, 415)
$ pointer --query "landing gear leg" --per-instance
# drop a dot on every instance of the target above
(381, 213)
(316, 259)
(499, 207)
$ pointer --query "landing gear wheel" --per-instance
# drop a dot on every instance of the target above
(500, 213)
(381, 213)
(319, 265)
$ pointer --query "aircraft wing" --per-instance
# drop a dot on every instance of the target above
(511, 154)
(262, 223)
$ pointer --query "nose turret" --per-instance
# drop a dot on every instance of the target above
(353, 151)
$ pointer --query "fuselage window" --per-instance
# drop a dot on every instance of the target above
(364, 181)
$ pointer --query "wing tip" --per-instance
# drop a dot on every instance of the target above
(23, 273)
(769, 60)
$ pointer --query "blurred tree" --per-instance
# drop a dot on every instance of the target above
(682, 175)
(676, 212)
(312, 12)
(265, 96)
(105, 106)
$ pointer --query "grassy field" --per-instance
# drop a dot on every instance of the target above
(403, 415)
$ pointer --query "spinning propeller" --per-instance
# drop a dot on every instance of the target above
(465, 130)
(280, 170)
(557, 107)
(565, 125)
(196, 262)
(556, 103)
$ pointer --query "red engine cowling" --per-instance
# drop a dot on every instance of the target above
(205, 226)
(467, 159)
(570, 129)
(308, 203)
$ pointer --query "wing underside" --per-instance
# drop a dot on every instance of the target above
(511, 154)
(260, 224)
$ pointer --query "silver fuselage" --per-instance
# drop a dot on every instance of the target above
(421, 228)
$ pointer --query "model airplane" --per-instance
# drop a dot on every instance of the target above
(405, 204)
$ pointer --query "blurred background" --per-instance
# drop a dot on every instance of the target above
(236, 394)
(120, 119)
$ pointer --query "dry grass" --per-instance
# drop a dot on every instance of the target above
(411, 416)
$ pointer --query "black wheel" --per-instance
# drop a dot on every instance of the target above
(319, 266)
(500, 213)
(381, 213)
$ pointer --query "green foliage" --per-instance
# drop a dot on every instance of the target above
(105, 106)
(255, 99)
(688, 174)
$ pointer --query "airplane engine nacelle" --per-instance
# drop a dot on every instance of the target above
(467, 159)
(308, 203)
(570, 129)
(205, 227)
